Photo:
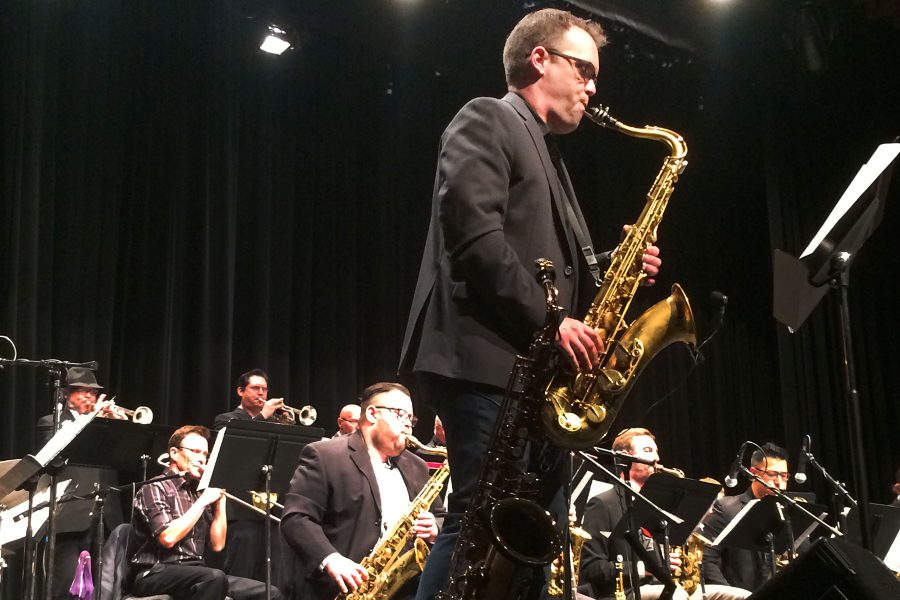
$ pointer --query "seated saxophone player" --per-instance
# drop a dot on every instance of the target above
(733, 566)
(597, 576)
(347, 492)
(176, 521)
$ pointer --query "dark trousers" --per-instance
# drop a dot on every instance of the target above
(196, 582)
(468, 413)
(245, 551)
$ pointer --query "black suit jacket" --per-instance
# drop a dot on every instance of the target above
(597, 573)
(731, 566)
(239, 413)
(334, 505)
(498, 205)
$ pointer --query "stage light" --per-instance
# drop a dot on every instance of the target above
(276, 41)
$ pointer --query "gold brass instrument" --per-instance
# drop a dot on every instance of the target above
(297, 416)
(580, 407)
(557, 581)
(620, 579)
(691, 554)
(388, 566)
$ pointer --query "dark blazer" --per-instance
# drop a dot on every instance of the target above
(44, 427)
(238, 413)
(731, 566)
(497, 206)
(334, 505)
(597, 573)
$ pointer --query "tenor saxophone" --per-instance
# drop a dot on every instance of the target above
(388, 566)
(580, 407)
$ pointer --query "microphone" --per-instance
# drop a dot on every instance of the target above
(721, 300)
(800, 474)
(731, 478)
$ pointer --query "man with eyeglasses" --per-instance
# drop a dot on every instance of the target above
(253, 390)
(503, 199)
(176, 521)
(348, 420)
(347, 492)
(737, 567)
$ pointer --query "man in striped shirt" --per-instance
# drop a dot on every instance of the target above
(176, 520)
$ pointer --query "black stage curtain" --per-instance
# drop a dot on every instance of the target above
(182, 208)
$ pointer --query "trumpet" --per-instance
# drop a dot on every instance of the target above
(298, 416)
(141, 415)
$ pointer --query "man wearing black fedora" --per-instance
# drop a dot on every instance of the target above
(76, 520)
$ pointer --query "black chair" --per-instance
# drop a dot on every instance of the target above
(116, 575)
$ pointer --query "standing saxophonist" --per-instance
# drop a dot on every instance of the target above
(502, 199)
(347, 492)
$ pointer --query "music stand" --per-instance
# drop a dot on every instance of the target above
(799, 284)
(884, 532)
(256, 454)
(766, 525)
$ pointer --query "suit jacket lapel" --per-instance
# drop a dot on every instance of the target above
(553, 179)
(359, 454)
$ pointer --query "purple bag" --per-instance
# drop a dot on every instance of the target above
(83, 583)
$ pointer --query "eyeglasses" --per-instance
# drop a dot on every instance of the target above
(195, 451)
(773, 474)
(585, 70)
(84, 391)
(401, 414)
(351, 420)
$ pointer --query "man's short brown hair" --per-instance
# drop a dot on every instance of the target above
(182, 432)
(542, 28)
(622, 443)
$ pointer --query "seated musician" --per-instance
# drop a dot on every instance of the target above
(253, 390)
(597, 576)
(733, 566)
(347, 492)
(76, 521)
(176, 521)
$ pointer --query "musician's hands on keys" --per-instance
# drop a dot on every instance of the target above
(348, 575)
(651, 262)
(426, 527)
(270, 406)
(579, 343)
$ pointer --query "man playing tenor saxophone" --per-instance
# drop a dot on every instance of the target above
(348, 492)
(503, 199)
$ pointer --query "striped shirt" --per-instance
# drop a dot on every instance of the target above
(156, 505)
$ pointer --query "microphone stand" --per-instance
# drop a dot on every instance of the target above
(839, 493)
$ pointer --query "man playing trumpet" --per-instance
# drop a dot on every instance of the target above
(253, 390)
(176, 521)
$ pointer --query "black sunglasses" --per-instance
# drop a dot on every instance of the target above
(585, 69)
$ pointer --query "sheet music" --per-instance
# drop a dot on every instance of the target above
(67, 432)
(734, 522)
(884, 155)
(892, 558)
(211, 461)
(12, 530)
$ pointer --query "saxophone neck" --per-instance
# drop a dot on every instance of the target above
(677, 146)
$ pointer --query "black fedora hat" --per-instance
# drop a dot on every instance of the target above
(80, 377)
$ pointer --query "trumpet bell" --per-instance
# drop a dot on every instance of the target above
(142, 415)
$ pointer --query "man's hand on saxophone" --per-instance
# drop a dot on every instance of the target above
(580, 343)
(426, 526)
(347, 574)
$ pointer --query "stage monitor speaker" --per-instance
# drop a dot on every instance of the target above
(832, 570)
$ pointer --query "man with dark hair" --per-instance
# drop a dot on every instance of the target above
(347, 492)
(732, 566)
(176, 521)
(253, 390)
(502, 199)
(602, 516)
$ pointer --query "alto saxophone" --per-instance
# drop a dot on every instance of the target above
(580, 407)
(388, 566)
(691, 554)
(559, 579)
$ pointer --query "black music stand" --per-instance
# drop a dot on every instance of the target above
(885, 532)
(257, 455)
(799, 285)
(766, 525)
